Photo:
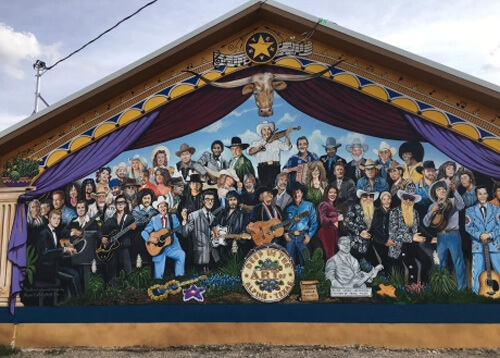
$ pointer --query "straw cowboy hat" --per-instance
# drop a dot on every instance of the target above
(101, 190)
(231, 172)
(331, 143)
(121, 165)
(264, 124)
(368, 189)
(410, 190)
(394, 165)
(385, 146)
(157, 149)
(236, 142)
(356, 143)
(160, 200)
(369, 164)
(140, 158)
(184, 147)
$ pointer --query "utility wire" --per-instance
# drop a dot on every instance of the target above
(102, 34)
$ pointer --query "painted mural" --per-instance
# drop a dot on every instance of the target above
(252, 209)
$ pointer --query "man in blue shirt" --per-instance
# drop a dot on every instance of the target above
(303, 227)
(302, 157)
(331, 158)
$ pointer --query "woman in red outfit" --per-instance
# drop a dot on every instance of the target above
(329, 217)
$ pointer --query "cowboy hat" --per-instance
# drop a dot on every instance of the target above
(356, 143)
(177, 181)
(236, 142)
(264, 124)
(100, 190)
(129, 182)
(428, 164)
(331, 143)
(369, 164)
(385, 146)
(158, 201)
(415, 148)
(141, 159)
(231, 172)
(367, 189)
(194, 178)
(157, 149)
(394, 165)
(120, 165)
(184, 147)
(410, 190)
(298, 186)
(434, 186)
(262, 189)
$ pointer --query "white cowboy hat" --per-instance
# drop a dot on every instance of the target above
(140, 158)
(158, 148)
(368, 189)
(231, 172)
(385, 146)
(410, 190)
(356, 143)
(264, 124)
(121, 165)
(158, 201)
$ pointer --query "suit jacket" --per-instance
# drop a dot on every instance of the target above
(330, 175)
(49, 255)
(347, 192)
(475, 225)
(155, 225)
(198, 226)
(242, 166)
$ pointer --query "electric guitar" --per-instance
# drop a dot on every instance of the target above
(164, 237)
(105, 252)
(488, 280)
(77, 241)
(263, 232)
(223, 235)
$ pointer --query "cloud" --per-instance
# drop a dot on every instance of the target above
(316, 140)
(214, 127)
(237, 113)
(348, 138)
(287, 118)
(248, 136)
(8, 119)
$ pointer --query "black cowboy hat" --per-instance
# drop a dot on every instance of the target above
(428, 164)
(298, 186)
(414, 148)
(236, 142)
(129, 182)
(262, 189)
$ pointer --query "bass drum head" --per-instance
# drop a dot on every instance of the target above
(268, 273)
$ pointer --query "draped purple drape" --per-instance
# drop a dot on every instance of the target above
(17, 253)
(470, 154)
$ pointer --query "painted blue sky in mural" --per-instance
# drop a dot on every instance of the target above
(242, 121)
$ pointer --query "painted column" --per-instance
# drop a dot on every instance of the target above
(8, 202)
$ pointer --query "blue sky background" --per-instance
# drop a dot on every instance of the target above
(242, 122)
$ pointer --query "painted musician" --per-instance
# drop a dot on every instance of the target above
(68, 214)
(211, 160)
(186, 165)
(482, 222)
(235, 220)
(443, 215)
(303, 156)
(268, 152)
(75, 227)
(412, 154)
(299, 233)
(173, 251)
(331, 158)
(120, 260)
(241, 164)
(265, 210)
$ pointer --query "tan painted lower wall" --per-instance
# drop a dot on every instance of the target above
(175, 334)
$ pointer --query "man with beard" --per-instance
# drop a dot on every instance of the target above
(358, 221)
(299, 233)
(120, 171)
(265, 210)
(144, 182)
(247, 193)
(212, 161)
(197, 224)
(130, 192)
(331, 158)
(235, 221)
(346, 188)
(404, 231)
(428, 171)
(282, 199)
(395, 171)
(241, 164)
(88, 187)
(296, 161)
(371, 177)
(412, 154)
(268, 153)
(172, 251)
(357, 151)
(174, 197)
(448, 236)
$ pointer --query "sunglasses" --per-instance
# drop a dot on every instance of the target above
(408, 197)
(364, 196)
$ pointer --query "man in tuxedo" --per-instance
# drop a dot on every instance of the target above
(346, 188)
(482, 222)
(50, 254)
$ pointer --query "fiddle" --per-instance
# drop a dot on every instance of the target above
(281, 134)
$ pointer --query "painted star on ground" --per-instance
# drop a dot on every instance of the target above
(193, 292)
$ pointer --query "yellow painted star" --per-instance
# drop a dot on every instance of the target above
(261, 47)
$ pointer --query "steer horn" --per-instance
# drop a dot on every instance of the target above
(230, 84)
(298, 78)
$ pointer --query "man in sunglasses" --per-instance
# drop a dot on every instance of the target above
(358, 221)
(404, 231)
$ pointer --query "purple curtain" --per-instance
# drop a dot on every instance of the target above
(463, 150)
(17, 253)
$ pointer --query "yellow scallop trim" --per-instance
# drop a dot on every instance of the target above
(104, 129)
(492, 143)
(436, 117)
(129, 116)
(56, 156)
(181, 90)
(289, 62)
(406, 103)
(212, 76)
(376, 91)
(153, 103)
(467, 130)
(79, 142)
(347, 79)
(315, 68)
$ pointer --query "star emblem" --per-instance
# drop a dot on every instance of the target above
(193, 292)
(261, 47)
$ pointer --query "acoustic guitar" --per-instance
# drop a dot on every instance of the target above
(263, 232)
(488, 280)
(223, 235)
(164, 237)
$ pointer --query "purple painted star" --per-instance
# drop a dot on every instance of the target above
(193, 292)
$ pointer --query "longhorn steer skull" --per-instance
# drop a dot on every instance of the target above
(263, 85)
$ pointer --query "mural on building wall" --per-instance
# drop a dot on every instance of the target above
(271, 209)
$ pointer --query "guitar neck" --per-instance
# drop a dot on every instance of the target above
(487, 259)
(92, 219)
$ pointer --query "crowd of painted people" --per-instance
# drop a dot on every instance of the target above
(398, 209)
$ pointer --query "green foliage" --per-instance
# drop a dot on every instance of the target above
(441, 281)
(140, 277)
(31, 258)
(8, 350)
(232, 265)
(314, 269)
(21, 167)
(95, 287)
(397, 276)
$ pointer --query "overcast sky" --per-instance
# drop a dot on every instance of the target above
(462, 34)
